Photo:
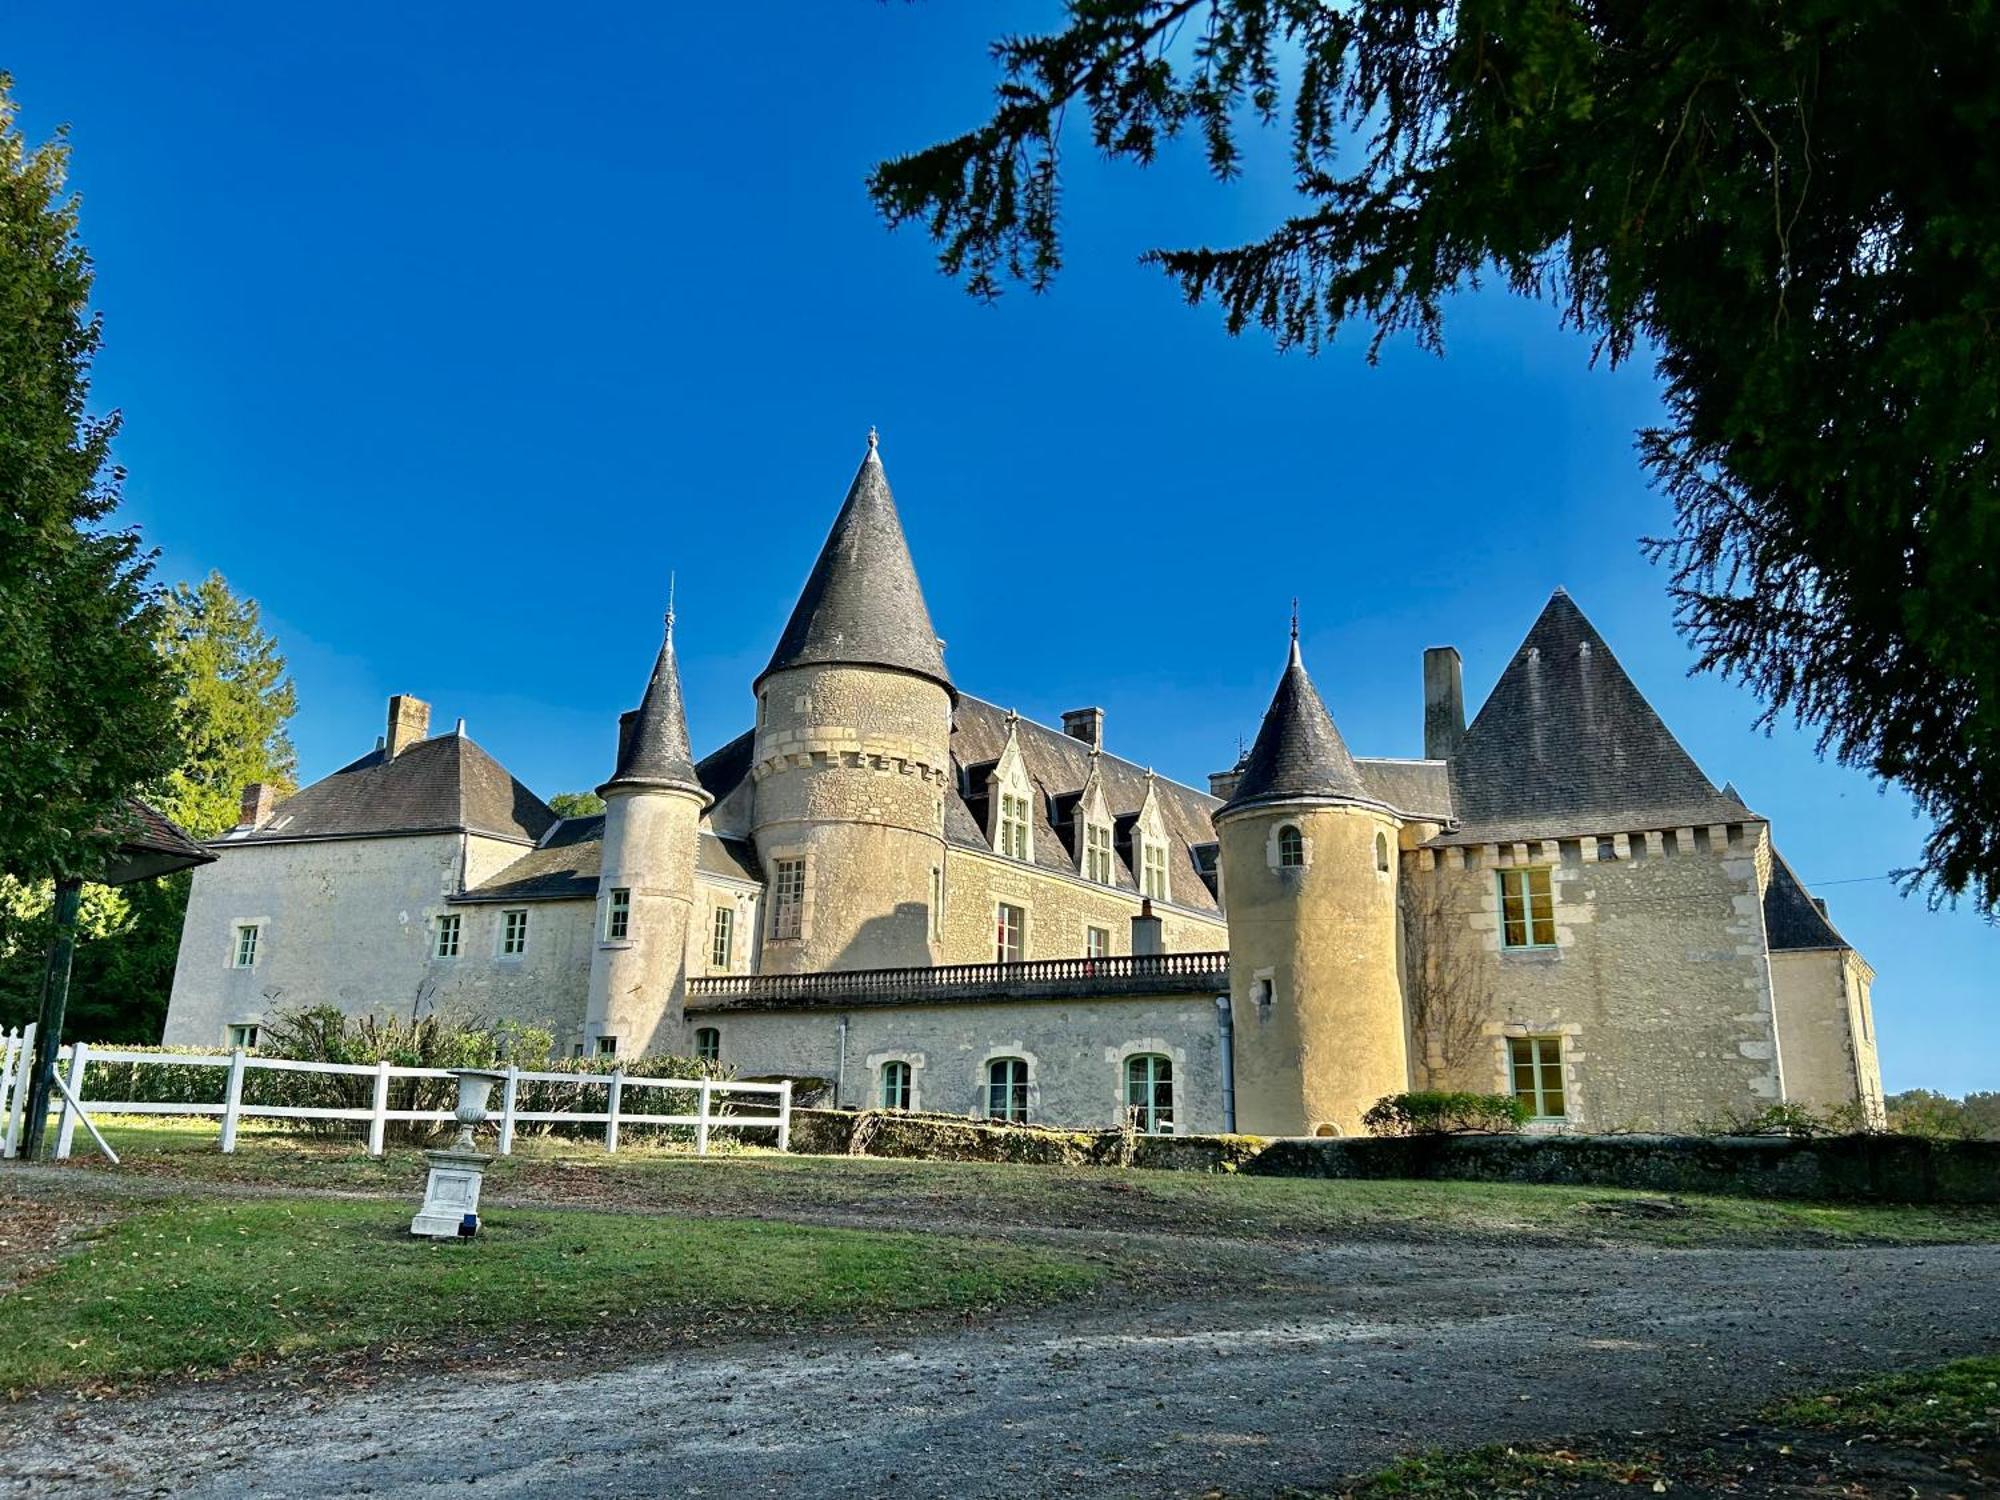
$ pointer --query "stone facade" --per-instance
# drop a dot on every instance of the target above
(885, 873)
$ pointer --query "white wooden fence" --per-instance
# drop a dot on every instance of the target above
(714, 1109)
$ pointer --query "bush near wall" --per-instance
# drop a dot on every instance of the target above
(1436, 1112)
(927, 1137)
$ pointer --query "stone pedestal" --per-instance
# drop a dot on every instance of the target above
(451, 1197)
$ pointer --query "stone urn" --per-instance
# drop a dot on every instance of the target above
(451, 1195)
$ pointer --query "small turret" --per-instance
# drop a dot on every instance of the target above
(645, 894)
(1309, 874)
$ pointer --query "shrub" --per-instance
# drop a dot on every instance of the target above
(1436, 1112)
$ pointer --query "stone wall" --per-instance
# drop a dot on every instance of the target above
(1658, 985)
(1058, 909)
(1825, 1034)
(1075, 1051)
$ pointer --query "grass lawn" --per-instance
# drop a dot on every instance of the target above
(563, 1173)
(203, 1285)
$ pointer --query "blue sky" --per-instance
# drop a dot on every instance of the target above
(448, 344)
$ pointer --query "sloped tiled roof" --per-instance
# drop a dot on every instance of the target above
(570, 860)
(654, 750)
(1792, 919)
(862, 605)
(150, 844)
(1415, 788)
(1566, 744)
(1298, 752)
(442, 785)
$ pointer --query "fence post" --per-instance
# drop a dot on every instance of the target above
(232, 1099)
(66, 1132)
(785, 1116)
(378, 1124)
(507, 1096)
(16, 1092)
(611, 1109)
(701, 1123)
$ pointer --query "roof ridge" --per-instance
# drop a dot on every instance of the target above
(1084, 748)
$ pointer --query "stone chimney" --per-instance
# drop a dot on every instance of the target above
(1222, 784)
(1086, 724)
(1146, 931)
(260, 800)
(1444, 703)
(409, 722)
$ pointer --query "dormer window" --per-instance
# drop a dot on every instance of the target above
(1014, 825)
(1153, 871)
(1097, 852)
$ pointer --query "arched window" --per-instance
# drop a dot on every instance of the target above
(1382, 853)
(1007, 1089)
(708, 1044)
(896, 1084)
(1291, 848)
(1149, 1092)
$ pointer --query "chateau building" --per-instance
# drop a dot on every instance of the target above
(932, 903)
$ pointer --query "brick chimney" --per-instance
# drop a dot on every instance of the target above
(1086, 724)
(1444, 703)
(260, 800)
(409, 722)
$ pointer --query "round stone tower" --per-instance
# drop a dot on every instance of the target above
(1309, 878)
(853, 754)
(645, 894)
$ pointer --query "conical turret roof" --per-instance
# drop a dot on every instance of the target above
(653, 748)
(1298, 752)
(862, 605)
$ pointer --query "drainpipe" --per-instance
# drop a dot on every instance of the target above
(840, 1066)
(1227, 1028)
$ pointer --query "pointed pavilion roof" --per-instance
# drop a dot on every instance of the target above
(653, 745)
(1567, 744)
(862, 605)
(1298, 752)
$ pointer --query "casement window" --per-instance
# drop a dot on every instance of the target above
(722, 939)
(607, 1046)
(1149, 1093)
(447, 936)
(1010, 934)
(708, 1043)
(1527, 908)
(513, 933)
(1013, 825)
(1097, 853)
(1097, 942)
(1153, 861)
(244, 956)
(244, 1036)
(1538, 1075)
(1007, 1089)
(1291, 848)
(618, 915)
(896, 1084)
(788, 899)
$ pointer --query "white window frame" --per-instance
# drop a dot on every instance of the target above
(512, 939)
(618, 914)
(722, 938)
(1097, 859)
(788, 898)
(1153, 863)
(449, 935)
(245, 941)
(1003, 928)
(1015, 825)
(1092, 930)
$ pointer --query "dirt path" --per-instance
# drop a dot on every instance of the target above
(1385, 1348)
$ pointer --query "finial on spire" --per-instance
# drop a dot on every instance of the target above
(873, 437)
(1295, 619)
(670, 606)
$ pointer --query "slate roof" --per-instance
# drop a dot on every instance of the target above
(149, 846)
(653, 746)
(861, 605)
(567, 865)
(1415, 788)
(442, 785)
(1791, 918)
(1298, 752)
(1566, 744)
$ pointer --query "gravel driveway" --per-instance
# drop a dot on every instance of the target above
(1377, 1349)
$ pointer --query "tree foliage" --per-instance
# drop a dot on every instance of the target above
(1795, 206)
(84, 700)
(576, 804)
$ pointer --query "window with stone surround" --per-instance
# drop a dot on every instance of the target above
(1014, 825)
(1010, 933)
(708, 1043)
(1007, 1089)
(447, 935)
(1382, 854)
(244, 1035)
(1097, 942)
(1149, 1093)
(788, 898)
(245, 956)
(513, 933)
(1527, 907)
(1153, 865)
(618, 915)
(607, 1046)
(1291, 848)
(1097, 853)
(1536, 1062)
(895, 1084)
(937, 902)
(722, 940)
